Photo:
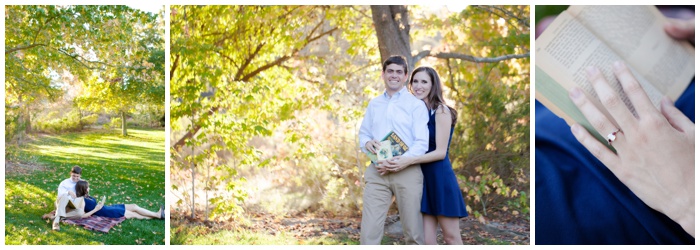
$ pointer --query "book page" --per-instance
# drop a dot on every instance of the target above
(637, 35)
(564, 51)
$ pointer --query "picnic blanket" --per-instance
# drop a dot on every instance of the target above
(97, 223)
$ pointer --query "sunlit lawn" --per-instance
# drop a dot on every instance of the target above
(126, 169)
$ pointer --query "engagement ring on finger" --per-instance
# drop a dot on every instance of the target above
(612, 136)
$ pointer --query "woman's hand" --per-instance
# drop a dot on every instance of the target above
(94, 210)
(398, 163)
(655, 149)
(381, 167)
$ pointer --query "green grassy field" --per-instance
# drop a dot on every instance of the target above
(128, 170)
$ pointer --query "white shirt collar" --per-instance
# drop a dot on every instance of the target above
(398, 93)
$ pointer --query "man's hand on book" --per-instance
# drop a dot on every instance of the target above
(655, 150)
(372, 146)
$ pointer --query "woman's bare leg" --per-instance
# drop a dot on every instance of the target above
(141, 211)
(430, 229)
(133, 215)
(450, 230)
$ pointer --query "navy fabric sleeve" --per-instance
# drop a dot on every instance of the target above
(579, 201)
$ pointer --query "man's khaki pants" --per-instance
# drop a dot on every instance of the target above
(407, 186)
(62, 209)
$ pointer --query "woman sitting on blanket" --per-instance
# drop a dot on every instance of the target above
(92, 207)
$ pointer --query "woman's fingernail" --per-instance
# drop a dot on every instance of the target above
(591, 71)
(575, 93)
(618, 65)
(576, 129)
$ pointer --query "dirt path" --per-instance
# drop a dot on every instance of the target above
(473, 231)
(19, 168)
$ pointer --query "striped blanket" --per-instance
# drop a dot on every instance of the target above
(97, 223)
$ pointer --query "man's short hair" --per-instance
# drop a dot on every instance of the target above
(396, 59)
(76, 170)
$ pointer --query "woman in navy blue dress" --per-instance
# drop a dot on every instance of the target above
(130, 211)
(442, 202)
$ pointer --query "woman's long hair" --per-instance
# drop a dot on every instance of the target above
(81, 189)
(435, 96)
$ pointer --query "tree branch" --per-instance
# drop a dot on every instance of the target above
(446, 55)
(362, 13)
(319, 36)
(452, 81)
(41, 28)
(84, 61)
(286, 57)
(195, 129)
(508, 14)
(45, 86)
(265, 67)
(421, 55)
(248, 60)
(8, 51)
(175, 65)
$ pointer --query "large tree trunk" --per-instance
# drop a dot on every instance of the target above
(25, 117)
(27, 121)
(392, 28)
(123, 114)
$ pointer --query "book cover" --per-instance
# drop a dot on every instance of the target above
(385, 152)
(70, 205)
(392, 145)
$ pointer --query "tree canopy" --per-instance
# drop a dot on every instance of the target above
(116, 51)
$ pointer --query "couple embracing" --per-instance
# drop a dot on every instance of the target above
(74, 202)
(422, 179)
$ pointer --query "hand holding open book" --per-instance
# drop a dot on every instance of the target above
(391, 145)
(597, 36)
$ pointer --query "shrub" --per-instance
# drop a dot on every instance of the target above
(69, 122)
(115, 122)
(88, 120)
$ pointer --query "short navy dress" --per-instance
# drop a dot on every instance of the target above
(111, 211)
(441, 193)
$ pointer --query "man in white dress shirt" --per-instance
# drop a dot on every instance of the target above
(399, 111)
(64, 197)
